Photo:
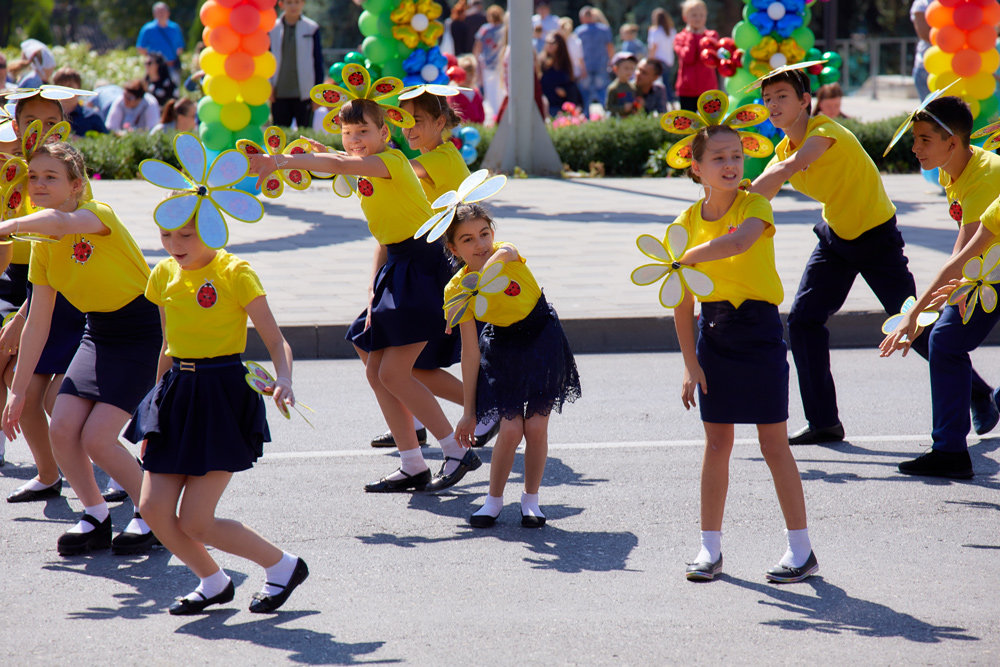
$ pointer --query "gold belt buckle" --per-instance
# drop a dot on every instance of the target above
(187, 366)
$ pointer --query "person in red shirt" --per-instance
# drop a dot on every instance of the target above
(693, 76)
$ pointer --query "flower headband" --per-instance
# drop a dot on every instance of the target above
(358, 85)
(712, 108)
(908, 123)
(48, 91)
(14, 172)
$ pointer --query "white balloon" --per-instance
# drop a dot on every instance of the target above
(419, 22)
(775, 11)
(429, 72)
(778, 60)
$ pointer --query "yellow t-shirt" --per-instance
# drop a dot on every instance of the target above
(205, 309)
(22, 252)
(975, 189)
(95, 272)
(844, 179)
(446, 168)
(509, 306)
(749, 275)
(990, 218)
(395, 207)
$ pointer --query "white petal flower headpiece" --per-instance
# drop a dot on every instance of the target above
(477, 186)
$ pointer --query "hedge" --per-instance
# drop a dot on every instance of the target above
(626, 147)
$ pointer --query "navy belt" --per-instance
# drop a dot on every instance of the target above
(194, 366)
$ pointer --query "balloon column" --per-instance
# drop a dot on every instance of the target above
(963, 33)
(238, 65)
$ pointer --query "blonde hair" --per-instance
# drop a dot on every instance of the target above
(70, 157)
(688, 5)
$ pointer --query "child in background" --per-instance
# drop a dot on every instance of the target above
(469, 102)
(660, 40)
(828, 99)
(693, 76)
(629, 35)
(620, 99)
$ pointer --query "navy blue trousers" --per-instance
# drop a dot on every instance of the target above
(877, 255)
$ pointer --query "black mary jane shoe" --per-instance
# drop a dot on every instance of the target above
(408, 483)
(484, 439)
(186, 607)
(74, 544)
(531, 521)
(703, 570)
(127, 544)
(780, 574)
(470, 461)
(29, 495)
(387, 439)
(264, 604)
(114, 495)
(482, 520)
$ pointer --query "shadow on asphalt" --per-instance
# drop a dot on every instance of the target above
(832, 611)
(304, 646)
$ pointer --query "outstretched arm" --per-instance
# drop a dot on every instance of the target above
(326, 163)
(775, 175)
(727, 245)
(52, 222)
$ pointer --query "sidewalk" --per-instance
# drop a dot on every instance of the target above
(313, 253)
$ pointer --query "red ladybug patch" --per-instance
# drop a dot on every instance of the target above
(82, 251)
(681, 123)
(746, 116)
(207, 296)
(251, 150)
(394, 115)
(331, 96)
(14, 202)
(356, 79)
(295, 176)
(365, 187)
(713, 106)
(513, 289)
(274, 141)
(750, 144)
(11, 171)
(384, 88)
(955, 211)
(29, 145)
(272, 184)
(297, 150)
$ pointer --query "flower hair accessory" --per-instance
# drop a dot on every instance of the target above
(436, 89)
(207, 191)
(981, 274)
(48, 91)
(14, 175)
(473, 286)
(476, 187)
(275, 144)
(679, 277)
(906, 124)
(712, 110)
(358, 86)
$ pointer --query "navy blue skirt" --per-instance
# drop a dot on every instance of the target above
(198, 421)
(65, 332)
(526, 368)
(13, 288)
(118, 354)
(742, 352)
(408, 305)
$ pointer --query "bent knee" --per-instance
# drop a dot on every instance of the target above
(198, 528)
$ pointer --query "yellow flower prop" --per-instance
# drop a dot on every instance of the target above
(415, 23)
(981, 274)
(358, 85)
(712, 108)
(274, 144)
(993, 132)
(263, 383)
(924, 319)
(474, 285)
(679, 277)
(14, 175)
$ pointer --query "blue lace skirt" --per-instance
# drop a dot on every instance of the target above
(526, 368)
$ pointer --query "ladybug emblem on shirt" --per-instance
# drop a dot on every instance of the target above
(513, 289)
(365, 187)
(207, 296)
(82, 251)
(955, 211)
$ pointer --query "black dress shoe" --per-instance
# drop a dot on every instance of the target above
(186, 607)
(780, 574)
(441, 481)
(386, 439)
(703, 570)
(935, 463)
(126, 544)
(483, 440)
(985, 414)
(817, 436)
(263, 604)
(114, 495)
(530, 521)
(409, 483)
(73, 544)
(24, 495)
(482, 520)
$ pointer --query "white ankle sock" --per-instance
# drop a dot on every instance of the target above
(417, 424)
(137, 525)
(491, 507)
(99, 512)
(529, 505)
(451, 448)
(799, 548)
(711, 546)
(210, 586)
(279, 573)
(411, 462)
(3, 448)
(112, 484)
(35, 485)
(484, 426)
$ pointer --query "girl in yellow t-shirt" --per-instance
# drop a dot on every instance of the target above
(518, 369)
(738, 365)
(100, 270)
(202, 422)
(405, 298)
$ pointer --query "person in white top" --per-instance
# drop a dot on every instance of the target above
(134, 110)
(660, 42)
(574, 46)
(917, 12)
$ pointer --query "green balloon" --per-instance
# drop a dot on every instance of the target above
(402, 50)
(385, 25)
(738, 81)
(832, 59)
(746, 36)
(354, 57)
(829, 75)
(813, 82)
(378, 49)
(260, 114)
(814, 54)
(379, 6)
(251, 132)
(335, 73)
(208, 110)
(368, 23)
(804, 37)
(807, 16)
(987, 110)
(394, 68)
(373, 69)
(216, 136)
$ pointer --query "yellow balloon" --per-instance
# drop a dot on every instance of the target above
(265, 65)
(941, 80)
(991, 61)
(212, 62)
(973, 107)
(222, 89)
(937, 61)
(255, 90)
(235, 116)
(980, 86)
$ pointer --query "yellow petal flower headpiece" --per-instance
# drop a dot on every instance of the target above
(358, 85)
(713, 106)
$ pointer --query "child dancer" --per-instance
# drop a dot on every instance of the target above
(738, 364)
(100, 270)
(404, 303)
(517, 370)
(202, 422)
(857, 235)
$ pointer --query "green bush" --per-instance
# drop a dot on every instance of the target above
(621, 144)
(118, 157)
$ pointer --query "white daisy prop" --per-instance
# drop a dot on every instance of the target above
(924, 319)
(805, 64)
(275, 144)
(207, 190)
(440, 90)
(981, 274)
(679, 277)
(48, 91)
(473, 286)
(358, 85)
(908, 122)
(477, 186)
(263, 383)
(6, 126)
(713, 109)
(14, 175)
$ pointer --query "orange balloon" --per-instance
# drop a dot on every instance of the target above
(223, 39)
(991, 13)
(267, 19)
(213, 14)
(949, 38)
(965, 63)
(938, 16)
(256, 43)
(982, 38)
(240, 66)
(204, 34)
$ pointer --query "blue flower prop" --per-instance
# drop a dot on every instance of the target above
(425, 66)
(780, 16)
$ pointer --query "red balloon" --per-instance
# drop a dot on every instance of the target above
(968, 16)
(709, 58)
(728, 44)
(456, 74)
(816, 69)
(267, 19)
(991, 13)
(213, 14)
(966, 63)
(938, 16)
(982, 38)
(710, 43)
(239, 66)
(244, 19)
(452, 60)
(262, 4)
(738, 58)
(949, 38)
(951, 3)
(255, 43)
(727, 68)
(229, 3)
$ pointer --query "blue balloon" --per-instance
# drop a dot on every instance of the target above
(931, 176)
(469, 154)
(469, 136)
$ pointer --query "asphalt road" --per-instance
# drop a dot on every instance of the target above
(908, 566)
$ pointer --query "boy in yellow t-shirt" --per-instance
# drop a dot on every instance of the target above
(857, 235)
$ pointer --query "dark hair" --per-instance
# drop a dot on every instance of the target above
(796, 78)
(71, 158)
(136, 87)
(436, 106)
(656, 64)
(953, 112)
(25, 101)
(162, 71)
(67, 76)
(356, 112)
(700, 143)
(464, 213)
(560, 61)
(174, 108)
(662, 19)
(830, 91)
